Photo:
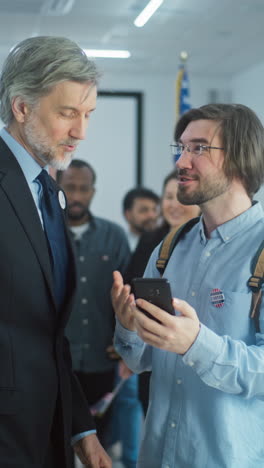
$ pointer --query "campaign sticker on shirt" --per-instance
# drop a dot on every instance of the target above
(217, 297)
(62, 199)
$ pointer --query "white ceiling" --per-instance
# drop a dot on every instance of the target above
(222, 37)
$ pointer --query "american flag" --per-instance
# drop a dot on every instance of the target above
(182, 92)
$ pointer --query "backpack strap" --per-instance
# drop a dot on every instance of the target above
(255, 284)
(170, 241)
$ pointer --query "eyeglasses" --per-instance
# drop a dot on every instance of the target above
(194, 148)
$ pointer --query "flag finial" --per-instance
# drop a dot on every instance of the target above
(184, 56)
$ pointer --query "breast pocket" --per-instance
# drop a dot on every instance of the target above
(100, 266)
(228, 313)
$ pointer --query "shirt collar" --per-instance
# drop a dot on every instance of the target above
(227, 231)
(89, 225)
(29, 166)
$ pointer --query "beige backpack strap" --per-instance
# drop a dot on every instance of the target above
(255, 283)
(170, 242)
(166, 249)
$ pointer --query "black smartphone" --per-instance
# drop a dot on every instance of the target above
(154, 290)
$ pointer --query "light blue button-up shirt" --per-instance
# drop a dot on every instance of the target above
(206, 408)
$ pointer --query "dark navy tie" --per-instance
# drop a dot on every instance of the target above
(56, 236)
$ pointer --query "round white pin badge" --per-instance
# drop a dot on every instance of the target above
(62, 199)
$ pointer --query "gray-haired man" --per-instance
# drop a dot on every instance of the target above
(47, 94)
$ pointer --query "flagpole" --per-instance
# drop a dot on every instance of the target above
(179, 81)
(182, 102)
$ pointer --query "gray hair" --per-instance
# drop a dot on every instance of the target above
(36, 65)
(242, 136)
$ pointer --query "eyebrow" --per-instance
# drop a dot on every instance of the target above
(196, 140)
(74, 108)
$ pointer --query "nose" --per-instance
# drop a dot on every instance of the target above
(75, 196)
(78, 129)
(156, 212)
(185, 160)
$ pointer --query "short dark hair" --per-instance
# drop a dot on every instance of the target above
(77, 164)
(242, 136)
(138, 192)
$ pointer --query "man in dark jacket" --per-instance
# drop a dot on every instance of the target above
(47, 92)
(101, 247)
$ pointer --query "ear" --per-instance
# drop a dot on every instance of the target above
(20, 109)
(93, 193)
(127, 214)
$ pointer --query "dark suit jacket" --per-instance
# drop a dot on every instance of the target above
(38, 391)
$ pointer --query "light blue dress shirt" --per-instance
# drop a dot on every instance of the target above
(206, 408)
(31, 170)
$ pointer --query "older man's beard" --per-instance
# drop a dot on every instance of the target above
(40, 147)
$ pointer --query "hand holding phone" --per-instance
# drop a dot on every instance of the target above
(154, 290)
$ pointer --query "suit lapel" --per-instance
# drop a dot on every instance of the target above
(15, 186)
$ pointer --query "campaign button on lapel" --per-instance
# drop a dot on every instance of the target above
(62, 199)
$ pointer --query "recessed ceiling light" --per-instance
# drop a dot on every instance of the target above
(107, 53)
(148, 11)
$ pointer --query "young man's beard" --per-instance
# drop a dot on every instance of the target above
(206, 191)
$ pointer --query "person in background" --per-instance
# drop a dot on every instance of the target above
(173, 214)
(207, 361)
(101, 247)
(141, 212)
(48, 90)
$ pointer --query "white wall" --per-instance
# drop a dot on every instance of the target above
(247, 89)
(110, 147)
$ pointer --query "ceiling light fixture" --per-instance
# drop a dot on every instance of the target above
(107, 53)
(148, 11)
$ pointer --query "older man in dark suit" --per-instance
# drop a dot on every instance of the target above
(47, 93)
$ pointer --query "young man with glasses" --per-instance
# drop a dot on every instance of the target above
(207, 361)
